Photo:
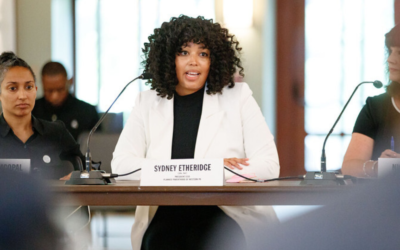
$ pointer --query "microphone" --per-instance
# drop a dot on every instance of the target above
(95, 177)
(317, 177)
(88, 155)
(378, 84)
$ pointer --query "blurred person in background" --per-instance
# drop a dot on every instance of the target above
(58, 104)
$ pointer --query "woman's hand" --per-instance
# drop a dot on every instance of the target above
(389, 154)
(66, 178)
(233, 163)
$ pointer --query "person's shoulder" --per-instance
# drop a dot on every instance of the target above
(238, 87)
(54, 132)
(50, 127)
(148, 96)
(40, 100)
(241, 89)
(39, 105)
(378, 100)
(82, 104)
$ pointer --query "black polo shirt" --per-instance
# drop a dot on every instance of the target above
(47, 148)
(78, 116)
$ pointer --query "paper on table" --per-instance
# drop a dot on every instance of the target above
(237, 178)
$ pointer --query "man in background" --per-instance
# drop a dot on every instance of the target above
(59, 104)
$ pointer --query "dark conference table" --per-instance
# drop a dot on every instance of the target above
(130, 193)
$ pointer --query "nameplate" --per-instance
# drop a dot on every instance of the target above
(183, 172)
(18, 165)
(388, 166)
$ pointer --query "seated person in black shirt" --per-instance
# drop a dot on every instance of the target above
(22, 136)
(376, 133)
(59, 104)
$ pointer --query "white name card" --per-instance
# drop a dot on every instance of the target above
(388, 166)
(183, 172)
(18, 165)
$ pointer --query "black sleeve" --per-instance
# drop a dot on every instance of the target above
(70, 148)
(366, 122)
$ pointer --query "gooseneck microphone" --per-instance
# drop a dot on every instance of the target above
(318, 178)
(95, 177)
(378, 85)
(88, 155)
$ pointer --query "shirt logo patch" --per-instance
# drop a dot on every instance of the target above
(74, 124)
(46, 159)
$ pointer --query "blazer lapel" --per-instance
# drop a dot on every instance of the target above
(211, 118)
(161, 125)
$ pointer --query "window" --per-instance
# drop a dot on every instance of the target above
(109, 39)
(344, 46)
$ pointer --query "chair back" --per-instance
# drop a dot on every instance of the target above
(112, 123)
(102, 146)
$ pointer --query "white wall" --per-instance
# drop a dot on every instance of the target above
(34, 34)
(7, 26)
(250, 40)
(258, 57)
(269, 65)
(34, 44)
(62, 34)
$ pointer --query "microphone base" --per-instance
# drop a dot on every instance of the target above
(322, 179)
(91, 178)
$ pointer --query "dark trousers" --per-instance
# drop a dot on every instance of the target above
(194, 228)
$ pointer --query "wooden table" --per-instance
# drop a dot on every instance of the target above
(129, 193)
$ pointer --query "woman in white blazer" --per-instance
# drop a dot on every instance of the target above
(196, 110)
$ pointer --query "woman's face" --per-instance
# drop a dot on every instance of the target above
(192, 67)
(394, 64)
(18, 92)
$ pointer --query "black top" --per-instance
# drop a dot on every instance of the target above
(187, 114)
(380, 121)
(47, 147)
(78, 116)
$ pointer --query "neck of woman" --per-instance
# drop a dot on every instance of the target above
(20, 125)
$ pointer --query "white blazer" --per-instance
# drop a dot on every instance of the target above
(231, 125)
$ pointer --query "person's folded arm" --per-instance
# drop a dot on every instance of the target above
(359, 152)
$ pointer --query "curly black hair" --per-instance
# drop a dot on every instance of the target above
(167, 42)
